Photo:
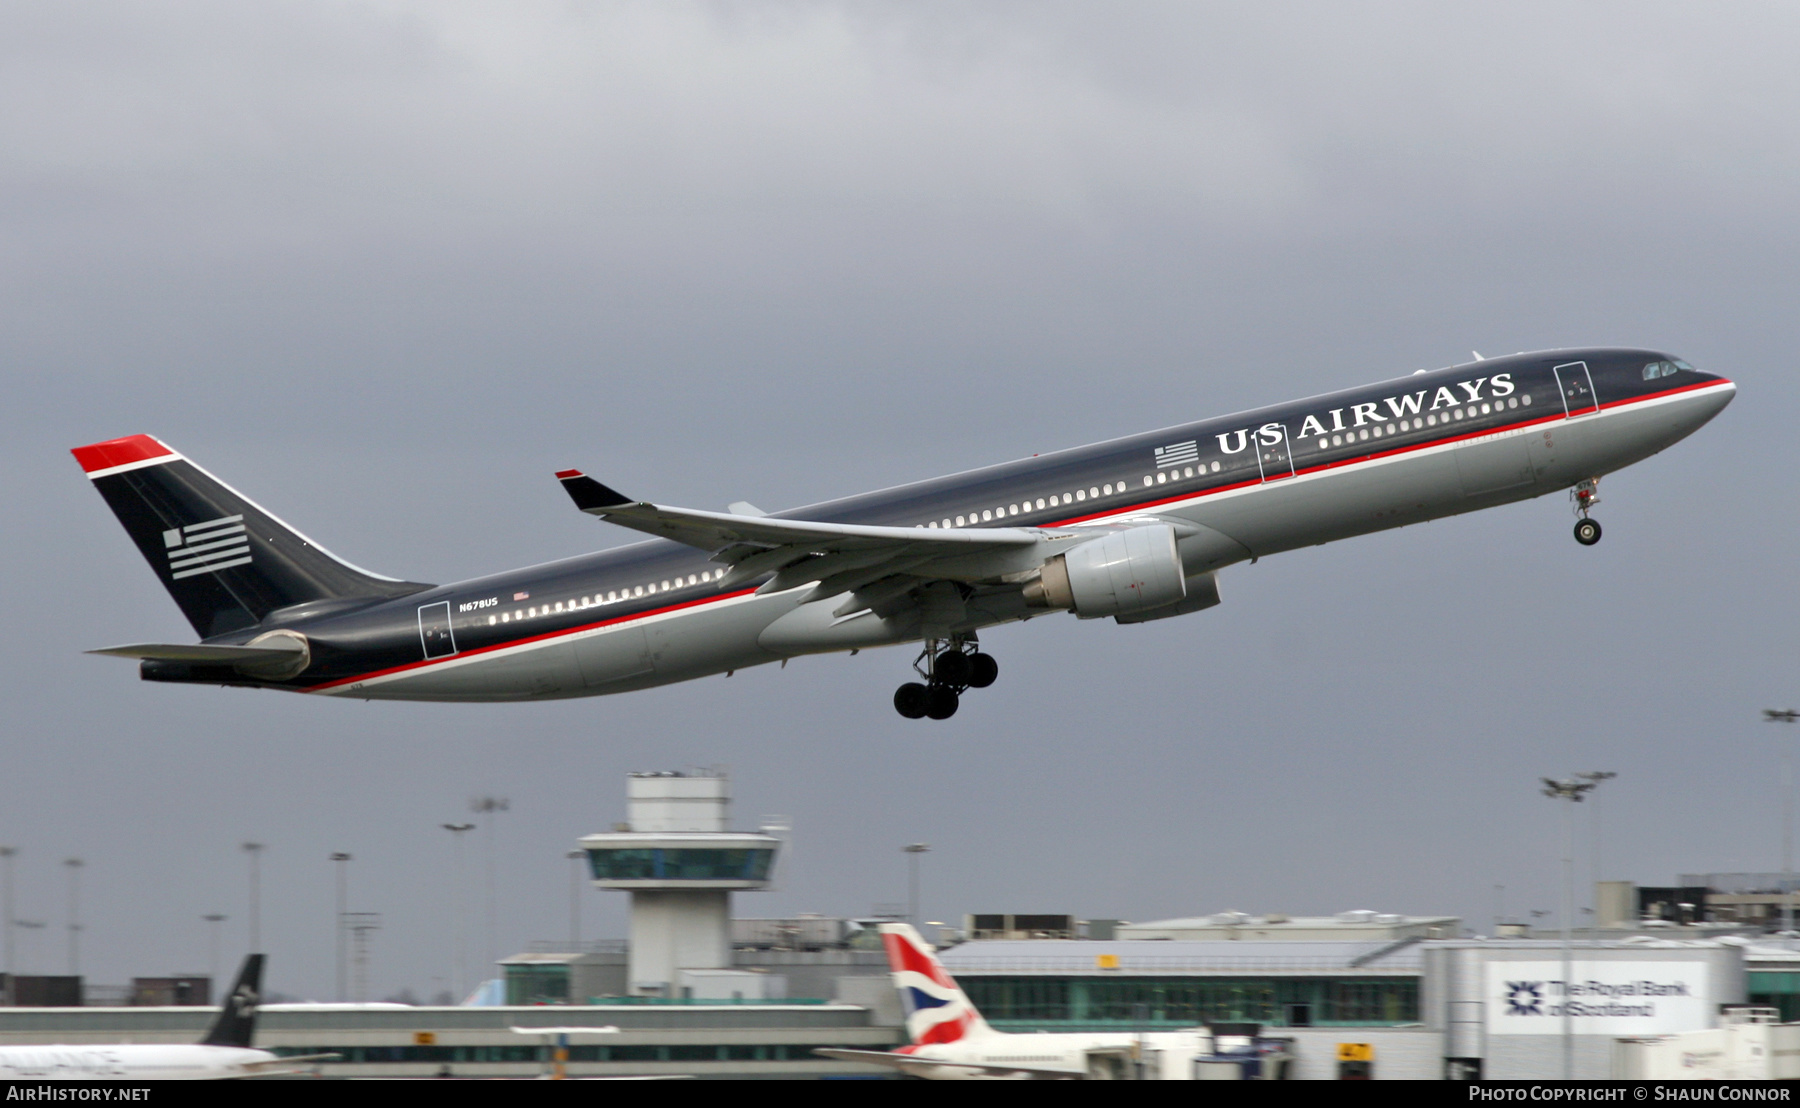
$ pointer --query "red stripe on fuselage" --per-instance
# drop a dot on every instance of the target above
(1140, 506)
(544, 637)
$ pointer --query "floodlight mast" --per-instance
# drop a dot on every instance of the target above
(1571, 790)
(459, 979)
(1786, 715)
(1597, 777)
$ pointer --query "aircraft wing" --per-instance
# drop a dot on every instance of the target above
(840, 556)
(908, 1062)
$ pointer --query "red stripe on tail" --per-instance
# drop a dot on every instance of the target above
(119, 452)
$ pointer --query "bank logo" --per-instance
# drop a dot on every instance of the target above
(1524, 998)
(207, 547)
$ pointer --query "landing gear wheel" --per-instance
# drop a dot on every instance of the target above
(1587, 531)
(940, 702)
(951, 668)
(982, 670)
(912, 700)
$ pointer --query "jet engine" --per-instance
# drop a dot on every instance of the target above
(1126, 571)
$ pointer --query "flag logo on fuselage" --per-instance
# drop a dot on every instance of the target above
(207, 547)
(1179, 454)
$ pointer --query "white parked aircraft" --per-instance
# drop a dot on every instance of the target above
(224, 1052)
(950, 1040)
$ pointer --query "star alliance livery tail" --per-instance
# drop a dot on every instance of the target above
(937, 1010)
(227, 562)
(236, 1025)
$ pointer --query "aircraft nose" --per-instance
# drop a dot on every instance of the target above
(1710, 401)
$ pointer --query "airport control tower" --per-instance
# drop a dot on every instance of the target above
(680, 864)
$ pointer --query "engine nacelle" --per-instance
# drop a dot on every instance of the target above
(1133, 570)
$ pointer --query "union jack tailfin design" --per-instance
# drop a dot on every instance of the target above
(937, 1010)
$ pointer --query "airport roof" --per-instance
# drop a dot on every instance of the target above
(1223, 957)
(1360, 924)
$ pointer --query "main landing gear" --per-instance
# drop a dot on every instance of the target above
(1585, 495)
(949, 669)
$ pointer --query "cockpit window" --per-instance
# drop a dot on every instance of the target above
(1679, 364)
(1663, 369)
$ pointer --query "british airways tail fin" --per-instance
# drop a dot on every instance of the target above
(937, 1010)
(227, 562)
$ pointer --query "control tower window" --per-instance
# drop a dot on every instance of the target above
(686, 864)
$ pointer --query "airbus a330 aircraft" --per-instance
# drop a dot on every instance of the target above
(224, 1052)
(950, 1041)
(1136, 529)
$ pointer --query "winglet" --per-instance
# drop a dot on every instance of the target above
(588, 494)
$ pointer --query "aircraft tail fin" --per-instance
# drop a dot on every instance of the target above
(227, 561)
(937, 1010)
(236, 1024)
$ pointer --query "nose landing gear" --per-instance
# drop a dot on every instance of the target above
(950, 669)
(1585, 495)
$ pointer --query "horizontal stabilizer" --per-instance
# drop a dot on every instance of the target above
(202, 654)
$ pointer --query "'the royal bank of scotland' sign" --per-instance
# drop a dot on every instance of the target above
(1606, 998)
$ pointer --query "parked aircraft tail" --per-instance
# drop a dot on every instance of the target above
(227, 562)
(236, 1024)
(937, 1010)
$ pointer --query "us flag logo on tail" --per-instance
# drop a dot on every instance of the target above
(207, 547)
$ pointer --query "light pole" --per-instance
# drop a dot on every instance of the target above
(1786, 715)
(29, 924)
(74, 867)
(6, 893)
(1595, 778)
(462, 911)
(212, 945)
(490, 806)
(912, 852)
(1571, 791)
(341, 859)
(575, 858)
(254, 850)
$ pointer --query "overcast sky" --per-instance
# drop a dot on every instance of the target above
(386, 267)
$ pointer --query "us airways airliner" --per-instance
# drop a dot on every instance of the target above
(1135, 529)
(224, 1052)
